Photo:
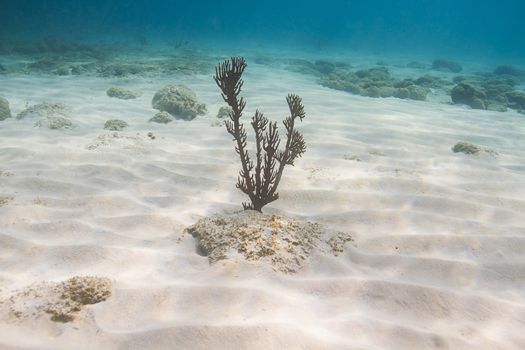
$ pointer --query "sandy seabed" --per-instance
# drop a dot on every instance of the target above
(437, 262)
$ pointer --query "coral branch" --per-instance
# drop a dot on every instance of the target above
(259, 180)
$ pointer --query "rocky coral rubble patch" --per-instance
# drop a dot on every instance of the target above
(284, 243)
(45, 109)
(51, 115)
(54, 123)
(318, 68)
(62, 301)
(59, 57)
(488, 91)
(378, 82)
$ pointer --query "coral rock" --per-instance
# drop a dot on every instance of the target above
(162, 118)
(223, 112)
(45, 109)
(115, 125)
(54, 123)
(468, 94)
(121, 93)
(179, 101)
(63, 301)
(5, 112)
(469, 148)
(465, 147)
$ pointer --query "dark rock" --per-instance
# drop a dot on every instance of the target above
(469, 148)
(465, 147)
(447, 65)
(467, 94)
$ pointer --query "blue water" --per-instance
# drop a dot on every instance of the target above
(457, 28)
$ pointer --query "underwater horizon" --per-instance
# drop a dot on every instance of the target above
(475, 30)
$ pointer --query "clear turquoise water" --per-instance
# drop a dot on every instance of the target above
(481, 29)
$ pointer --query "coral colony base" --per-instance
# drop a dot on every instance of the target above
(120, 227)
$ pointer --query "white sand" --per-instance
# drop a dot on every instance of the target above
(439, 255)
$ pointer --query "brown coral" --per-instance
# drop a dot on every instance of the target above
(259, 180)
